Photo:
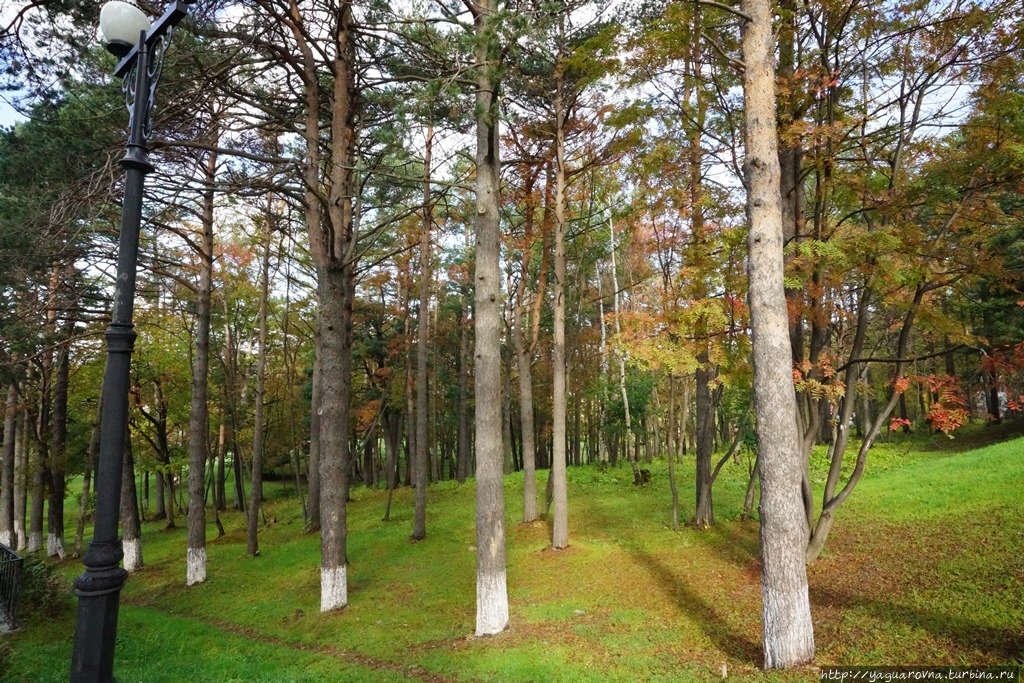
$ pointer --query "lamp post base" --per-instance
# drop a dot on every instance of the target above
(99, 593)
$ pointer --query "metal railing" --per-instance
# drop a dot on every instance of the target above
(10, 583)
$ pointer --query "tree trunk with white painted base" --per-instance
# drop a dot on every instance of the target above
(491, 585)
(788, 635)
(198, 431)
(131, 530)
(335, 362)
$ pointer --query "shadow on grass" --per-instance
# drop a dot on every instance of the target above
(694, 605)
(1004, 644)
(688, 599)
(737, 543)
(971, 437)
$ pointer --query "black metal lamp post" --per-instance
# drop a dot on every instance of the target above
(140, 47)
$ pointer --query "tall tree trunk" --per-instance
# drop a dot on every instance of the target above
(491, 584)
(219, 489)
(524, 362)
(58, 450)
(508, 437)
(525, 351)
(419, 527)
(392, 437)
(333, 238)
(410, 396)
(704, 512)
(161, 497)
(256, 490)
(788, 633)
(130, 527)
(673, 489)
(37, 468)
(44, 434)
(560, 526)
(21, 477)
(622, 357)
(465, 453)
(335, 370)
(602, 446)
(90, 463)
(704, 515)
(199, 420)
(291, 372)
(313, 525)
(7, 536)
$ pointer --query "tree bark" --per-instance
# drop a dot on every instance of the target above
(671, 442)
(219, 489)
(560, 525)
(37, 471)
(256, 488)
(465, 452)
(333, 237)
(491, 584)
(335, 285)
(90, 463)
(788, 634)
(7, 536)
(313, 524)
(704, 515)
(525, 365)
(392, 437)
(130, 528)
(21, 477)
(199, 421)
(622, 358)
(419, 527)
(58, 451)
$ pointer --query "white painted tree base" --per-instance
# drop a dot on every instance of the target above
(195, 567)
(35, 541)
(5, 538)
(55, 547)
(333, 588)
(19, 536)
(491, 604)
(132, 554)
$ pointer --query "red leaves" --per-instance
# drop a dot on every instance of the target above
(948, 410)
(946, 419)
(898, 422)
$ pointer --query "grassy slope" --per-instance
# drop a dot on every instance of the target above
(924, 566)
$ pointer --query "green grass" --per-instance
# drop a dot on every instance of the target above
(924, 566)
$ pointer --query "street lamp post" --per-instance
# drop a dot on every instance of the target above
(140, 47)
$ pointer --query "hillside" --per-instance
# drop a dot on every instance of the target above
(925, 566)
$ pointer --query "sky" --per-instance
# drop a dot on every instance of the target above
(8, 115)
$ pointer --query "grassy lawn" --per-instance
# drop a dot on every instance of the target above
(925, 565)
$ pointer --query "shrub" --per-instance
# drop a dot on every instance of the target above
(43, 590)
